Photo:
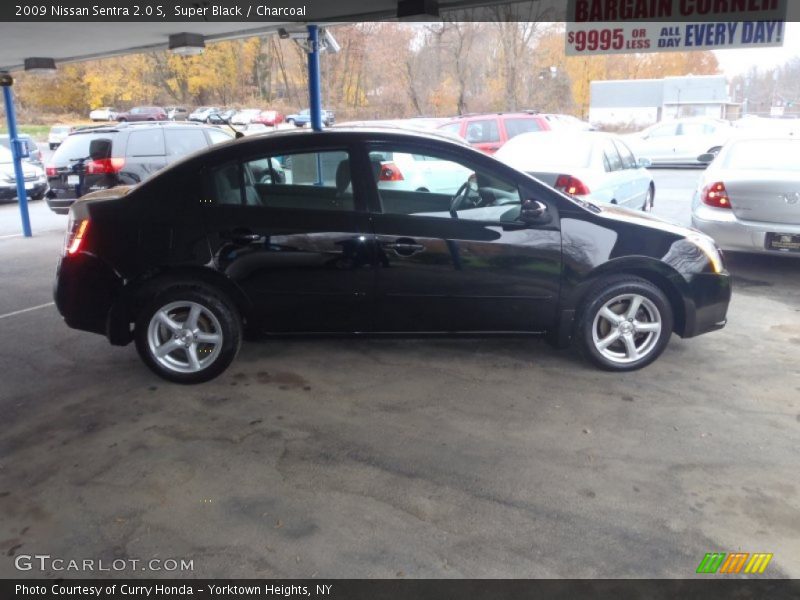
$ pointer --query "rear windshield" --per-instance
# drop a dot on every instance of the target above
(75, 147)
(545, 152)
(768, 155)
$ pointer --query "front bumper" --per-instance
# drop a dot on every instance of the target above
(736, 235)
(707, 303)
(9, 190)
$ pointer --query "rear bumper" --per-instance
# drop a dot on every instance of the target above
(733, 234)
(85, 291)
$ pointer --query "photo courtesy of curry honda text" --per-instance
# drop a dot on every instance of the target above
(301, 232)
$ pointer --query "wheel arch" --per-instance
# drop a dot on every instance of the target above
(661, 275)
(137, 293)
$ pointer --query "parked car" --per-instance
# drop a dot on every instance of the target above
(31, 147)
(143, 113)
(303, 118)
(104, 113)
(35, 180)
(749, 197)
(57, 135)
(181, 263)
(202, 114)
(418, 172)
(680, 142)
(177, 113)
(268, 117)
(596, 166)
(222, 117)
(489, 132)
(245, 116)
(131, 154)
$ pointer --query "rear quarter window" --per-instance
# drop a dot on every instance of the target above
(146, 143)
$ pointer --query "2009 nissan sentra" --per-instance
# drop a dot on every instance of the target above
(290, 233)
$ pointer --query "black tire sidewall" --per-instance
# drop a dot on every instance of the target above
(605, 291)
(219, 305)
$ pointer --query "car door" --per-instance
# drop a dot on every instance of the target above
(289, 228)
(636, 180)
(468, 265)
(659, 142)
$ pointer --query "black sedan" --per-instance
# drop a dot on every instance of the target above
(320, 232)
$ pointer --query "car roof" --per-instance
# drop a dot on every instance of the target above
(140, 125)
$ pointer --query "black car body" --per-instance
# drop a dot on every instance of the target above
(325, 244)
(137, 152)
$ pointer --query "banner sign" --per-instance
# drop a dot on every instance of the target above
(625, 26)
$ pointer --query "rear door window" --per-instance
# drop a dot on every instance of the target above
(146, 143)
(628, 160)
(611, 157)
(181, 142)
(514, 127)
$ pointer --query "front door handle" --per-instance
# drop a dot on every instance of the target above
(243, 236)
(404, 247)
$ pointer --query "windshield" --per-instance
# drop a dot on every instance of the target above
(768, 155)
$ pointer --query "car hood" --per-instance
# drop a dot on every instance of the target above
(618, 213)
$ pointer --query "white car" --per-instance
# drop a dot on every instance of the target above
(416, 173)
(749, 197)
(104, 113)
(201, 114)
(681, 141)
(596, 166)
(57, 135)
(559, 121)
(35, 178)
(243, 117)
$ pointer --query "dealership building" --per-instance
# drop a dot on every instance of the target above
(643, 102)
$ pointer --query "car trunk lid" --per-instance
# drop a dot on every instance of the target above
(772, 198)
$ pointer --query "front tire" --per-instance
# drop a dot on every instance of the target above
(625, 324)
(188, 334)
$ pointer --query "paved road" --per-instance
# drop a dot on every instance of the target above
(403, 458)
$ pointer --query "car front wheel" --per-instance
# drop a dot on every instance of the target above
(625, 324)
(188, 334)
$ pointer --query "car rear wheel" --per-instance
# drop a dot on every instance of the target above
(625, 324)
(290, 121)
(188, 334)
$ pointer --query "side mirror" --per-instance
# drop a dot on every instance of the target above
(645, 163)
(534, 212)
(100, 149)
(706, 158)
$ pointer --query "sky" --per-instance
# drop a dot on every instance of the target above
(736, 62)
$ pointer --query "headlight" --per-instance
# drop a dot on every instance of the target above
(709, 248)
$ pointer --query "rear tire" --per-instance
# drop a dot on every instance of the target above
(188, 334)
(625, 323)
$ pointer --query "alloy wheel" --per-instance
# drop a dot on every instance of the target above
(627, 328)
(184, 337)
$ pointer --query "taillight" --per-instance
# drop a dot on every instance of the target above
(571, 185)
(390, 172)
(104, 166)
(716, 195)
(51, 171)
(75, 236)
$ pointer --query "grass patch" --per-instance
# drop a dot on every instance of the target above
(35, 131)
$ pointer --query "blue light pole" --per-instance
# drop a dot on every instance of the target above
(16, 146)
(314, 86)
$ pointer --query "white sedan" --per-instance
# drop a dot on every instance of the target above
(413, 172)
(104, 113)
(749, 197)
(681, 141)
(597, 166)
